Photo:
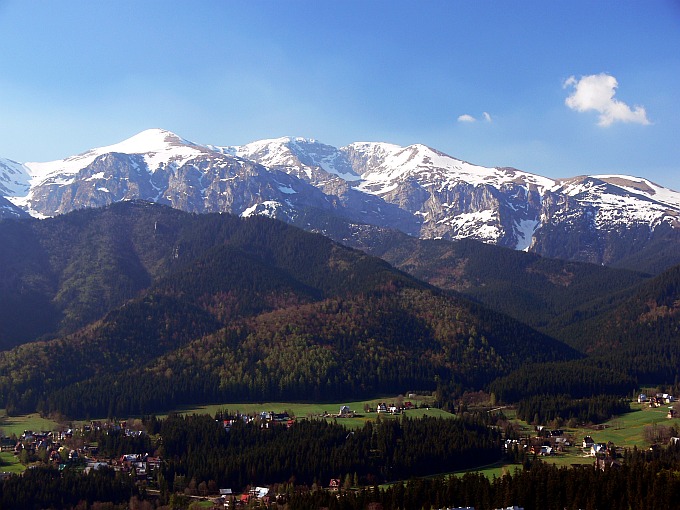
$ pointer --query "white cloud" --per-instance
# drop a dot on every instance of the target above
(469, 118)
(596, 92)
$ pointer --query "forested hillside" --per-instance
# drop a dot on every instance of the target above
(202, 308)
(553, 296)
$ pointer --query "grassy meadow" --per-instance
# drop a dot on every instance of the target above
(324, 411)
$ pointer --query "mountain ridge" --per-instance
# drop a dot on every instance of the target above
(416, 189)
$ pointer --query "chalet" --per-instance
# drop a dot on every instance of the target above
(588, 442)
(346, 412)
(382, 407)
(606, 463)
(259, 492)
(598, 448)
(562, 442)
(280, 417)
(671, 413)
(546, 450)
(394, 409)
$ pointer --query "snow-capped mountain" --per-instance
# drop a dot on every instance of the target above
(14, 181)
(416, 189)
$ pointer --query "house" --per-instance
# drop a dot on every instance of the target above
(280, 417)
(346, 412)
(671, 413)
(562, 442)
(259, 492)
(408, 405)
(588, 442)
(382, 407)
(334, 484)
(642, 398)
(598, 448)
(546, 450)
(606, 463)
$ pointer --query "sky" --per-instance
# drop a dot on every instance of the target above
(559, 89)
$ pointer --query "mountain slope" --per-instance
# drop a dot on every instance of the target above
(551, 295)
(192, 300)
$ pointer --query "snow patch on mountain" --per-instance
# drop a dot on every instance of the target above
(386, 165)
(14, 178)
(622, 199)
(267, 208)
(525, 232)
(159, 148)
(296, 155)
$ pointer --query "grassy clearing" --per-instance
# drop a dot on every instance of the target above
(17, 424)
(9, 463)
(625, 431)
(307, 410)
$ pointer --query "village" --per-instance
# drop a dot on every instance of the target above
(72, 448)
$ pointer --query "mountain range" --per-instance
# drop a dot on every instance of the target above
(605, 219)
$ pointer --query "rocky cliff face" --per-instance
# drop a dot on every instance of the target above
(415, 189)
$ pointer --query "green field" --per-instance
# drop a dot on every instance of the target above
(327, 410)
(9, 463)
(625, 431)
(17, 424)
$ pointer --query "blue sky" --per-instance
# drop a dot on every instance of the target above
(555, 88)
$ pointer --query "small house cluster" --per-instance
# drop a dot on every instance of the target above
(546, 442)
(382, 407)
(657, 400)
(264, 418)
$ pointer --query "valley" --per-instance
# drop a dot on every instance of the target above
(123, 313)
